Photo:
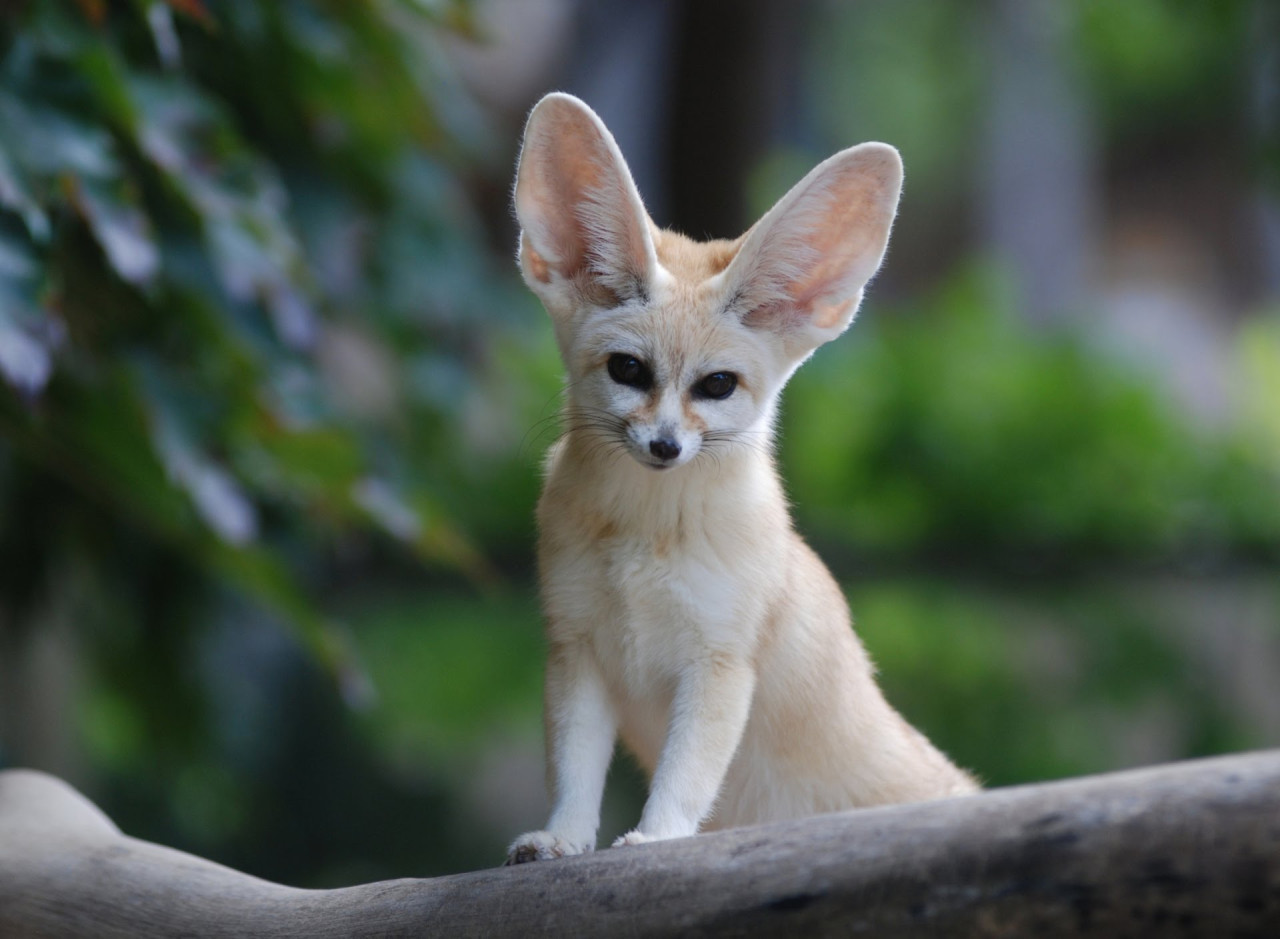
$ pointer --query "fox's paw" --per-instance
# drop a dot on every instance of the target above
(633, 837)
(542, 846)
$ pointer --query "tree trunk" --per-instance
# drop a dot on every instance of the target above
(1190, 849)
(1037, 177)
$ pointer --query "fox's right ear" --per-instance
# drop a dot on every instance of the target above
(584, 232)
(801, 269)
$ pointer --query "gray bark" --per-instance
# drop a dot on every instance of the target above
(1265, 87)
(1190, 849)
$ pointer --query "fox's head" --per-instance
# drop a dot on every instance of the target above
(675, 348)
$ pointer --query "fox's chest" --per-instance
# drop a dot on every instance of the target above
(659, 616)
(654, 604)
(648, 611)
(667, 605)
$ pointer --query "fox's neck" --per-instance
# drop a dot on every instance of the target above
(716, 490)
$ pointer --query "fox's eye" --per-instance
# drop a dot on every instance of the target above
(717, 385)
(628, 370)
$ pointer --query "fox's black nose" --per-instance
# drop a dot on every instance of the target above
(664, 448)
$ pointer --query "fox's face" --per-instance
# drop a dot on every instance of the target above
(671, 377)
(677, 350)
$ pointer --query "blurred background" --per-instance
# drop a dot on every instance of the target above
(273, 399)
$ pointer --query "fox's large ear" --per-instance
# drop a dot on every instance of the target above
(801, 269)
(584, 232)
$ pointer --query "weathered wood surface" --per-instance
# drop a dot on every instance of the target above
(1190, 849)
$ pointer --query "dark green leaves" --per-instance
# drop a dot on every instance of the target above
(227, 247)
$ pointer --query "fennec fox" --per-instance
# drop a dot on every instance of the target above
(683, 611)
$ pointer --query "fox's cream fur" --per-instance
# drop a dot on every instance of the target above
(684, 614)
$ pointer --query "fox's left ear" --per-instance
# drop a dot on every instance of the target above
(585, 236)
(802, 268)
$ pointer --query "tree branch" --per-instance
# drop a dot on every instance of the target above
(1191, 849)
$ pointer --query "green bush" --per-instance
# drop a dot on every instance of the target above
(1047, 681)
(958, 428)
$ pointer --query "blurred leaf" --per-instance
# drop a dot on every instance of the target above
(45, 142)
(15, 196)
(28, 337)
(25, 362)
(387, 508)
(164, 35)
(106, 76)
(120, 227)
(217, 496)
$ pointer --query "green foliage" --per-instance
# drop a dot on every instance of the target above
(906, 71)
(1164, 66)
(958, 428)
(242, 303)
(450, 673)
(1259, 385)
(253, 342)
(1044, 682)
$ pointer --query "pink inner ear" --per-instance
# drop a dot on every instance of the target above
(579, 205)
(562, 178)
(813, 259)
(839, 242)
(827, 315)
(788, 316)
(536, 263)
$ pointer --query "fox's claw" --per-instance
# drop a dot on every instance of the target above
(632, 837)
(541, 846)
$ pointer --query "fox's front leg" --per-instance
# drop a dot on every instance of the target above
(581, 728)
(708, 715)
